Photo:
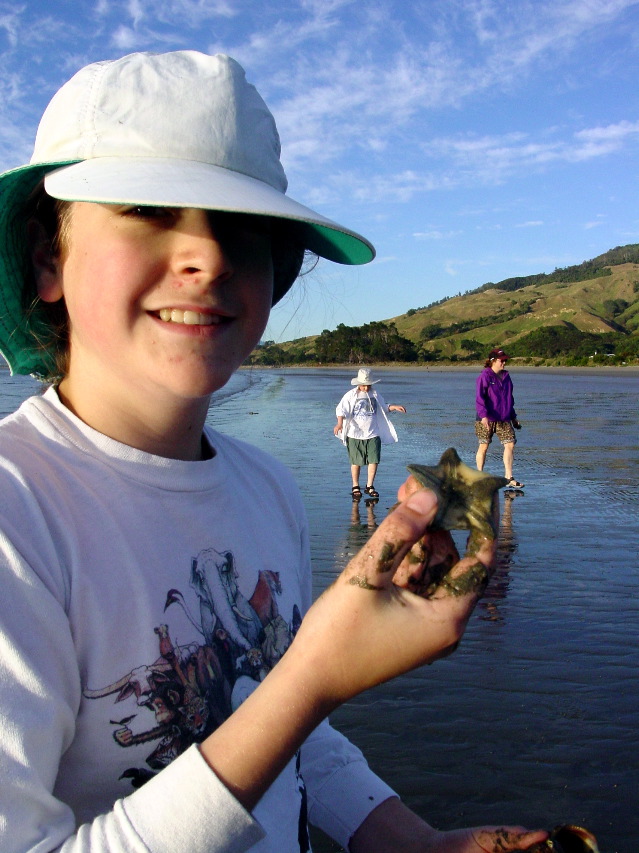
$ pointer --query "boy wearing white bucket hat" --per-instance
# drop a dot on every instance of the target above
(153, 570)
(363, 425)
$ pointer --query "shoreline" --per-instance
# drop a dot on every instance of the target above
(610, 370)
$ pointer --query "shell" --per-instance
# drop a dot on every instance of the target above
(465, 495)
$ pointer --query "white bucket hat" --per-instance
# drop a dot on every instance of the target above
(179, 129)
(364, 377)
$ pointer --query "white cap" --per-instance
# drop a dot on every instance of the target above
(179, 129)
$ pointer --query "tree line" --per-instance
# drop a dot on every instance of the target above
(381, 342)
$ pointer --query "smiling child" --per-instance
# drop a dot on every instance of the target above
(158, 688)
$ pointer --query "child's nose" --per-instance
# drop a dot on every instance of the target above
(199, 254)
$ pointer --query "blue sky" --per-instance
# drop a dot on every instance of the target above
(469, 140)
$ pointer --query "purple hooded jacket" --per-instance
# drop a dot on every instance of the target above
(494, 399)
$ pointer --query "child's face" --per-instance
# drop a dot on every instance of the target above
(161, 301)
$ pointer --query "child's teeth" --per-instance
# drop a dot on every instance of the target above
(189, 318)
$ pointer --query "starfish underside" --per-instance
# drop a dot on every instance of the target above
(465, 495)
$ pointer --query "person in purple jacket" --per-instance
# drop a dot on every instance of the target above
(496, 413)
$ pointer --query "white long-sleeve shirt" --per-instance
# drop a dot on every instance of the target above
(365, 416)
(142, 599)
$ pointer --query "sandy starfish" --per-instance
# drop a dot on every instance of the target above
(465, 495)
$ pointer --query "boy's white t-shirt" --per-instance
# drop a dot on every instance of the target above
(143, 598)
(365, 416)
(363, 423)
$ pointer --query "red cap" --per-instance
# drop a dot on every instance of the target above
(498, 353)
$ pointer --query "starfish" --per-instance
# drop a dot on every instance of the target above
(465, 496)
(567, 839)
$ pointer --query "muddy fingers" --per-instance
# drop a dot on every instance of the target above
(466, 580)
(376, 564)
(471, 574)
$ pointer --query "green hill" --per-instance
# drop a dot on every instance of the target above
(582, 313)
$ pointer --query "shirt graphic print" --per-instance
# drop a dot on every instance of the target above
(189, 689)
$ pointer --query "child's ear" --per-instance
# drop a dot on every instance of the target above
(46, 265)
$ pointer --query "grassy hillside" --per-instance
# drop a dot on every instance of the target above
(608, 303)
(583, 310)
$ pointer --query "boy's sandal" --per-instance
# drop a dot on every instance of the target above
(514, 484)
(356, 493)
(370, 491)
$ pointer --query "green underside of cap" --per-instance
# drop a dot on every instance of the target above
(338, 246)
(19, 329)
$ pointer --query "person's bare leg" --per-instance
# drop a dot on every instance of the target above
(509, 455)
(372, 471)
(480, 458)
(355, 474)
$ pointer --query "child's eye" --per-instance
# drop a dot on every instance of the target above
(148, 211)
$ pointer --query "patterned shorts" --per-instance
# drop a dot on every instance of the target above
(502, 429)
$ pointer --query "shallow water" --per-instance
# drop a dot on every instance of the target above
(534, 719)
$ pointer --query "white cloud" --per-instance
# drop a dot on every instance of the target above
(125, 38)
(436, 235)
(10, 25)
(598, 141)
(136, 11)
(491, 158)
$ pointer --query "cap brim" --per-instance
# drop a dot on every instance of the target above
(187, 183)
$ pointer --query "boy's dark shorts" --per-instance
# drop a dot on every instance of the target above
(502, 429)
(364, 451)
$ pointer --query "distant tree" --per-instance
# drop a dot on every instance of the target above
(614, 307)
(357, 344)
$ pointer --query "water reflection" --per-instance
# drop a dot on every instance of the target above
(363, 523)
(497, 589)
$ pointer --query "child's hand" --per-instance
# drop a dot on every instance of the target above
(373, 623)
(393, 826)
(366, 628)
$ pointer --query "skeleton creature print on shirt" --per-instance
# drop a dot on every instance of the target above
(364, 408)
(190, 689)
